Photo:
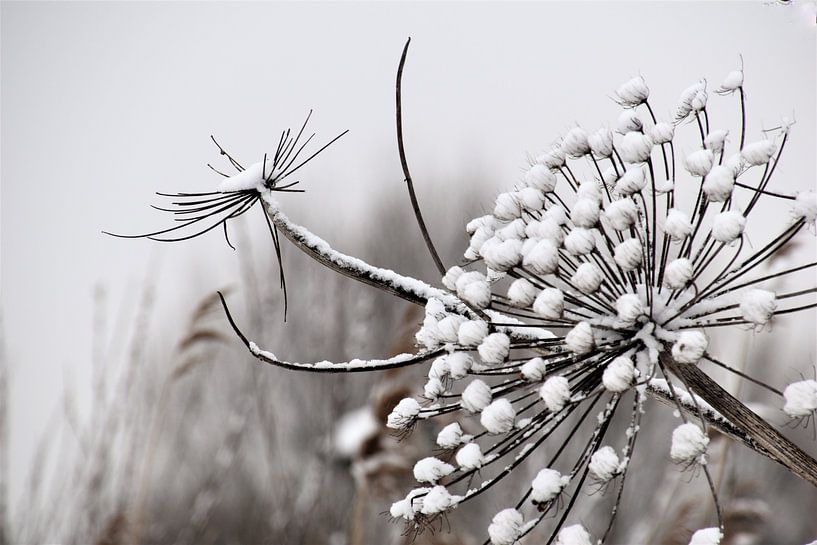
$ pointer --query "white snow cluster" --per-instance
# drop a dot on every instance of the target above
(728, 226)
(758, 306)
(403, 414)
(758, 153)
(628, 254)
(438, 500)
(470, 457)
(574, 535)
(706, 536)
(547, 484)
(476, 396)
(555, 392)
(801, 398)
(805, 207)
(629, 307)
(452, 436)
(699, 163)
(619, 374)
(472, 287)
(506, 527)
(677, 225)
(580, 241)
(588, 277)
(688, 443)
(549, 303)
(604, 464)
(471, 332)
(494, 348)
(621, 214)
(719, 183)
(690, 347)
(534, 369)
(431, 470)
(409, 506)
(678, 273)
(498, 417)
(579, 340)
(635, 147)
(633, 92)
(522, 292)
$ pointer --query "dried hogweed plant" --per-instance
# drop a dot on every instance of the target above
(596, 282)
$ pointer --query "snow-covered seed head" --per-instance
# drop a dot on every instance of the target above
(555, 392)
(692, 99)
(557, 215)
(585, 213)
(628, 121)
(473, 288)
(439, 368)
(531, 199)
(628, 254)
(552, 159)
(521, 293)
(580, 241)
(498, 417)
(699, 163)
(543, 258)
(506, 527)
(633, 92)
(758, 153)
(690, 347)
(632, 181)
(540, 177)
(476, 396)
(471, 332)
(512, 230)
(433, 389)
(718, 184)
(731, 83)
(448, 328)
(635, 147)
(715, 140)
(619, 374)
(547, 485)
(575, 143)
(507, 207)
(629, 307)
(450, 278)
(805, 207)
(728, 226)
(678, 273)
(621, 214)
(579, 340)
(662, 132)
(459, 363)
(549, 303)
(494, 348)
(408, 507)
(574, 535)
(688, 443)
(450, 436)
(801, 398)
(587, 278)
(758, 306)
(677, 225)
(501, 255)
(534, 369)
(438, 500)
(601, 142)
(470, 457)
(404, 414)
(431, 470)
(707, 536)
(604, 464)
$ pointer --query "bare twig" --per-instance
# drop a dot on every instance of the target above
(404, 164)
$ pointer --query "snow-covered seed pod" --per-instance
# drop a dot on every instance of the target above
(632, 181)
(438, 500)
(451, 276)
(403, 414)
(470, 457)
(629, 308)
(450, 436)
(459, 363)
(506, 527)
(408, 507)
(589, 190)
(498, 417)
(601, 142)
(732, 82)
(635, 147)
(555, 392)
(547, 485)
(575, 143)
(758, 306)
(574, 535)
(487, 221)
(716, 139)
(627, 254)
(472, 287)
(621, 214)
(545, 228)
(662, 132)
(543, 258)
(433, 389)
(494, 348)
(580, 241)
(533, 370)
(689, 347)
(707, 536)
(805, 207)
(587, 278)
(609, 176)
(512, 230)
(431, 470)
(728, 226)
(604, 464)
(553, 158)
(689, 99)
(448, 328)
(585, 213)
(439, 368)
(502, 255)
(688, 443)
(549, 304)
(579, 340)
(718, 184)
(633, 92)
(507, 207)
(677, 225)
(678, 273)
(801, 398)
(521, 293)
(476, 396)
(471, 332)
(540, 177)
(557, 215)
(478, 239)
(531, 199)
(699, 163)
(619, 374)
(758, 153)
(628, 121)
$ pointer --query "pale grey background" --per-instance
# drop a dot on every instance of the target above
(102, 104)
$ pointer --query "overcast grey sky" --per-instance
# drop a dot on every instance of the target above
(105, 103)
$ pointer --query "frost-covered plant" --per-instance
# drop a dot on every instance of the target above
(596, 281)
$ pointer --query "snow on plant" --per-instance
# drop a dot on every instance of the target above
(596, 281)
